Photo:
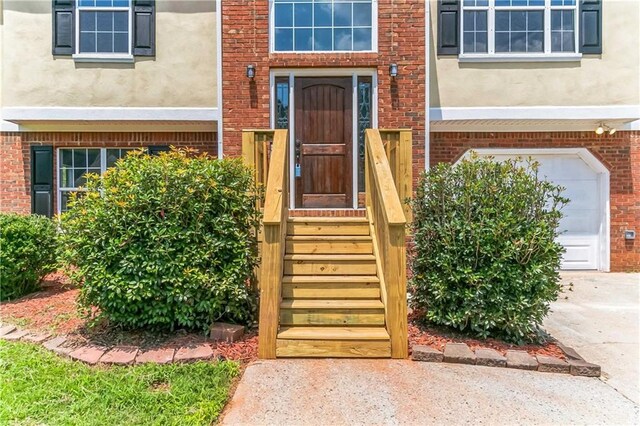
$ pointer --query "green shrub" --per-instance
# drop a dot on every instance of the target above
(486, 260)
(27, 253)
(165, 241)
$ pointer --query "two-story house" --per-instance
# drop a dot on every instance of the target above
(83, 81)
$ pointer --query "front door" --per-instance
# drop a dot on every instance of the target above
(323, 142)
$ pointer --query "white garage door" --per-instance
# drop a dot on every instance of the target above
(583, 223)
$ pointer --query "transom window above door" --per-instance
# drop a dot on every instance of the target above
(323, 25)
(529, 27)
(104, 27)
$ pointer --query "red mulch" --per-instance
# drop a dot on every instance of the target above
(437, 339)
(53, 310)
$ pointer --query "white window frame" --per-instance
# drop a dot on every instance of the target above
(492, 56)
(374, 34)
(96, 56)
(103, 168)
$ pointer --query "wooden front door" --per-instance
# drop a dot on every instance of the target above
(323, 142)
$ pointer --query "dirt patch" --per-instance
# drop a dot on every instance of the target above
(437, 338)
(53, 310)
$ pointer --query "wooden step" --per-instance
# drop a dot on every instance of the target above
(331, 312)
(333, 333)
(332, 349)
(339, 342)
(337, 244)
(330, 287)
(327, 226)
(326, 264)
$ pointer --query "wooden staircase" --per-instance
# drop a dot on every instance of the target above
(331, 300)
(333, 286)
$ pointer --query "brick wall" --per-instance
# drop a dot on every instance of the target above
(15, 148)
(620, 153)
(245, 40)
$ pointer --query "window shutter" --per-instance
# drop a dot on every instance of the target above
(448, 27)
(144, 27)
(590, 26)
(155, 150)
(63, 27)
(42, 180)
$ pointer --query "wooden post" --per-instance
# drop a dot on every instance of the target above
(405, 173)
(273, 245)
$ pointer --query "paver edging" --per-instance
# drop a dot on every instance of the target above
(93, 354)
(486, 357)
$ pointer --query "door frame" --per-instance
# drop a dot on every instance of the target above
(604, 240)
(354, 73)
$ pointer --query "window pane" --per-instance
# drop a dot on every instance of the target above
(323, 39)
(322, 15)
(66, 157)
(282, 103)
(342, 15)
(362, 14)
(535, 42)
(105, 21)
(80, 158)
(121, 21)
(519, 31)
(284, 40)
(87, 42)
(362, 39)
(562, 31)
(303, 15)
(284, 15)
(303, 39)
(66, 177)
(120, 43)
(93, 157)
(364, 122)
(78, 178)
(342, 39)
(88, 21)
(105, 42)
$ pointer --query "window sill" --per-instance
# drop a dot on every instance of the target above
(564, 57)
(83, 57)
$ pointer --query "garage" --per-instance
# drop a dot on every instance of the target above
(585, 225)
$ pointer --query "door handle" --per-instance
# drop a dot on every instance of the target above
(297, 150)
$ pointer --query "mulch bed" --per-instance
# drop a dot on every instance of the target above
(53, 310)
(437, 338)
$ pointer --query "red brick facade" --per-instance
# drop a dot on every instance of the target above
(401, 40)
(15, 151)
(620, 153)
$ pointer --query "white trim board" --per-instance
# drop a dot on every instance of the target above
(604, 247)
(219, 75)
(24, 114)
(592, 112)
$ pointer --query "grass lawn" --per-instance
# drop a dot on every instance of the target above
(39, 387)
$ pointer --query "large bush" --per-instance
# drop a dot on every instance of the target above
(165, 241)
(27, 253)
(486, 260)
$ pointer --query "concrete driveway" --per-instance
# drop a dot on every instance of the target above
(600, 318)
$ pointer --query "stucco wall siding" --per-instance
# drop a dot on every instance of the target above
(612, 78)
(182, 74)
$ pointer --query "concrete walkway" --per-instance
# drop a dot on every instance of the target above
(390, 392)
(600, 318)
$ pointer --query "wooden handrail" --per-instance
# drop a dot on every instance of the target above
(387, 222)
(274, 222)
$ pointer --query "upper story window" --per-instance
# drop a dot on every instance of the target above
(104, 30)
(104, 27)
(323, 25)
(535, 27)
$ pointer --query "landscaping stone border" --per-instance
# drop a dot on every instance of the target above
(125, 355)
(460, 353)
